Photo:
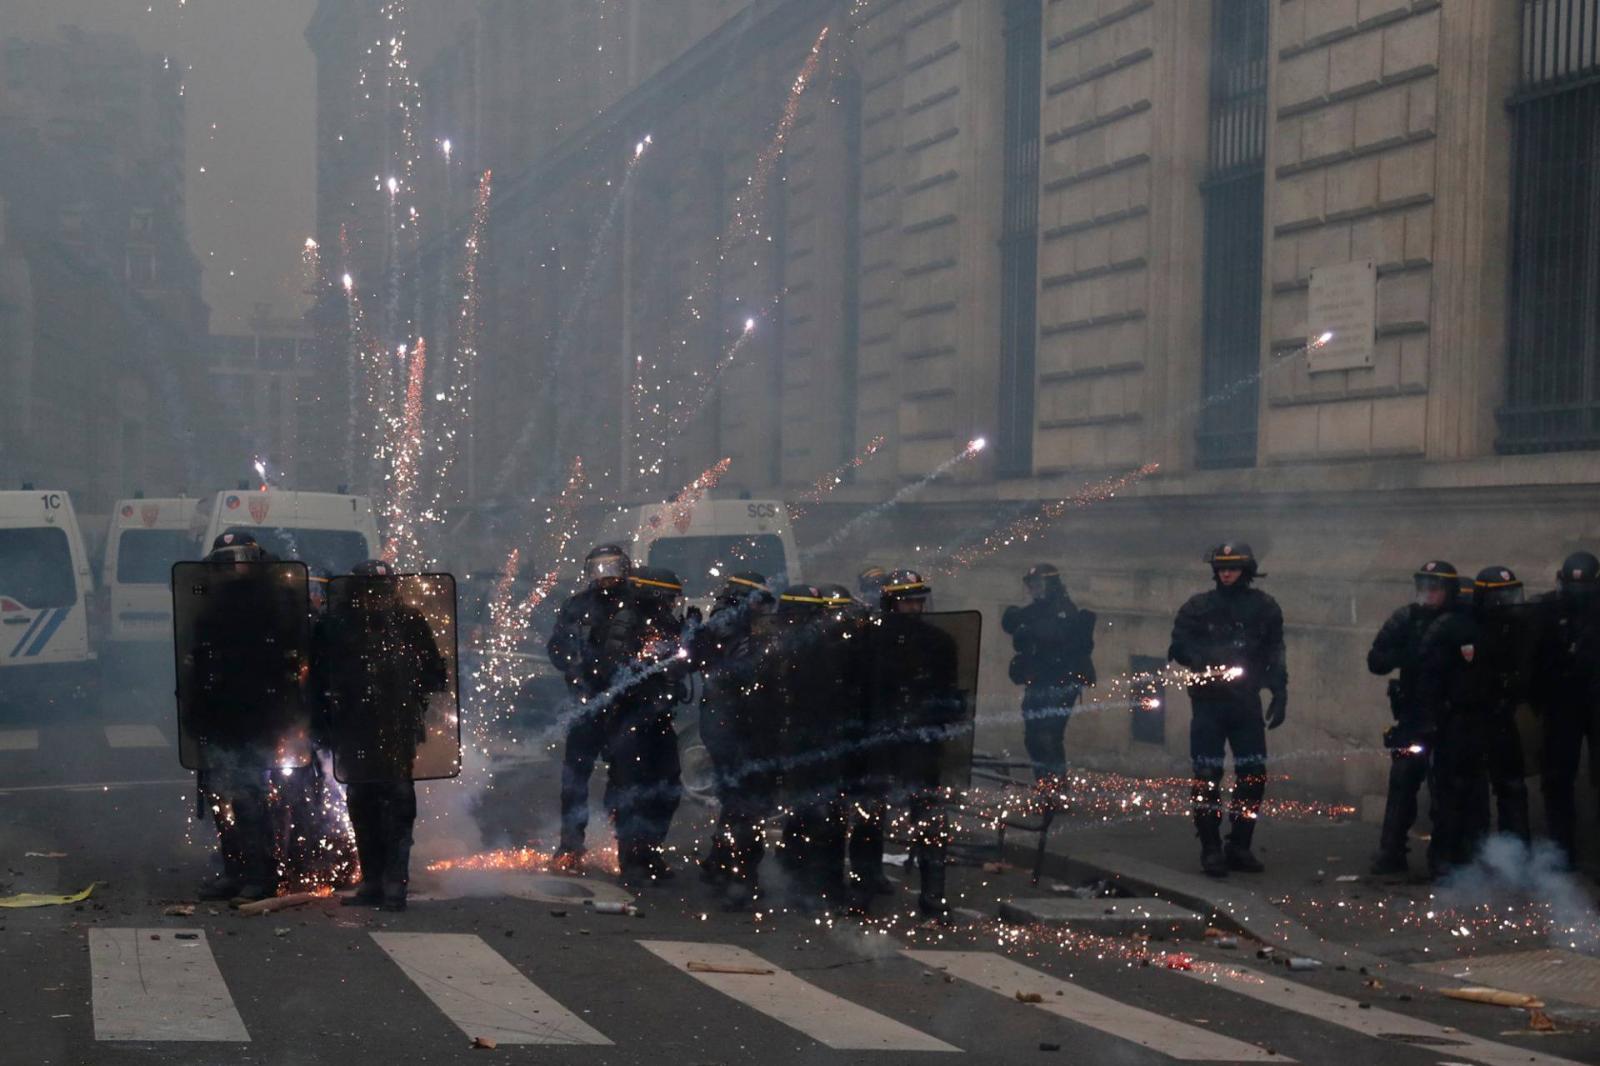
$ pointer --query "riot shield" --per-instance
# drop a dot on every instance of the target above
(241, 637)
(965, 630)
(387, 669)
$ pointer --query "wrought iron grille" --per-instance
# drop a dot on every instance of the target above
(1235, 205)
(1552, 394)
(1019, 238)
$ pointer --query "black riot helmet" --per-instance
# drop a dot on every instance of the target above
(1437, 576)
(373, 568)
(1234, 555)
(1044, 582)
(904, 591)
(801, 600)
(1496, 587)
(839, 599)
(1579, 577)
(607, 566)
(747, 586)
(657, 586)
(236, 548)
(377, 590)
(870, 581)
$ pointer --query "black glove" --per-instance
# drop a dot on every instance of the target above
(1277, 710)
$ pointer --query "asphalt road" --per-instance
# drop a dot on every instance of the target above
(519, 958)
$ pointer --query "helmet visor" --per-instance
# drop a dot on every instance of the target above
(1503, 596)
(1433, 591)
(606, 568)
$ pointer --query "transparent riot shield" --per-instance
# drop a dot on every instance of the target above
(386, 667)
(965, 630)
(242, 638)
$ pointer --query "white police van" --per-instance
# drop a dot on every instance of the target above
(705, 542)
(143, 540)
(326, 530)
(45, 588)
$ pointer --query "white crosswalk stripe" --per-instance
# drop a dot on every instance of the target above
(135, 736)
(482, 993)
(1078, 1004)
(1370, 1021)
(824, 1017)
(150, 985)
(19, 739)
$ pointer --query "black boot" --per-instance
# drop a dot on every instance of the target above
(1390, 864)
(1239, 857)
(1212, 861)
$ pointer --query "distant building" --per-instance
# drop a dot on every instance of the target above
(100, 304)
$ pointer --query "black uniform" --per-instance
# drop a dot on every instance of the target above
(378, 663)
(597, 632)
(728, 650)
(1241, 628)
(1398, 646)
(1054, 644)
(1567, 694)
(1459, 701)
(916, 700)
(644, 780)
(818, 678)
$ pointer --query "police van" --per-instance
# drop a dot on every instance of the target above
(143, 540)
(706, 541)
(45, 588)
(326, 530)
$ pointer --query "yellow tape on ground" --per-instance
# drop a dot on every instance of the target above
(40, 899)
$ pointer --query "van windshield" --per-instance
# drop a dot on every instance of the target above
(36, 567)
(334, 550)
(145, 556)
(704, 563)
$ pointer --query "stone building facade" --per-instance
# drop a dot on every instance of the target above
(1089, 231)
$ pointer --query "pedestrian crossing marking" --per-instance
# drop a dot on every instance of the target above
(150, 985)
(135, 736)
(824, 1017)
(482, 993)
(1370, 1021)
(19, 739)
(1078, 1004)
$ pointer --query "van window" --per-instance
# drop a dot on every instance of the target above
(335, 550)
(36, 567)
(704, 563)
(145, 556)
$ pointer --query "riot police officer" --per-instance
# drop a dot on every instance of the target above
(727, 650)
(1469, 666)
(596, 633)
(239, 676)
(914, 692)
(1054, 644)
(1398, 647)
(1231, 639)
(1568, 689)
(378, 662)
(644, 777)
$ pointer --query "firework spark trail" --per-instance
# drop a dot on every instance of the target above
(834, 478)
(867, 517)
(401, 546)
(456, 394)
(747, 214)
(567, 331)
(680, 506)
(1024, 529)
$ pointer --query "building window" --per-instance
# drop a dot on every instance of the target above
(1552, 395)
(1234, 192)
(1019, 239)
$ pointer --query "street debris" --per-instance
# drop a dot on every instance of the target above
(1348, 879)
(1029, 997)
(1300, 962)
(606, 906)
(282, 930)
(717, 967)
(484, 1043)
(1176, 961)
(42, 899)
(1046, 1046)
(1495, 997)
(44, 855)
(179, 910)
(277, 903)
(186, 936)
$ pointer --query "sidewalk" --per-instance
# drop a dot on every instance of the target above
(1317, 900)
